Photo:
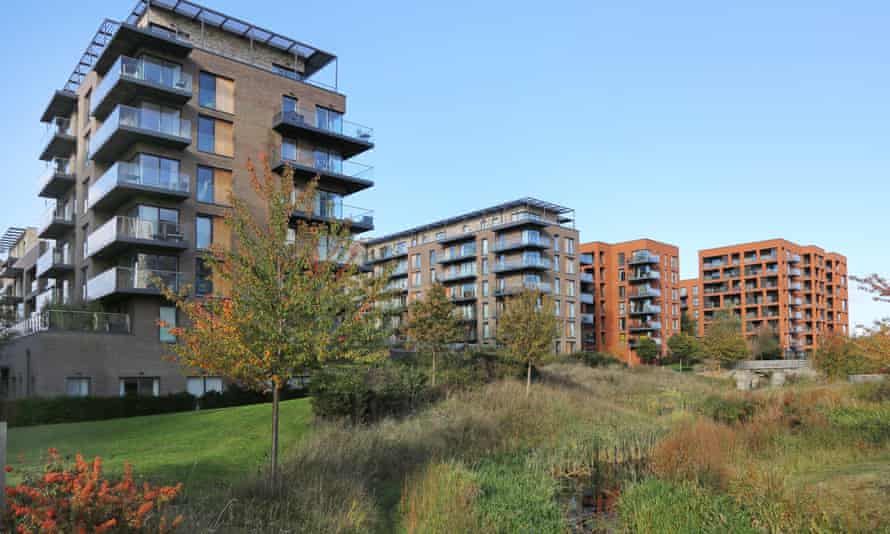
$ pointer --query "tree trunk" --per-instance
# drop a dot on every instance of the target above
(434, 368)
(274, 472)
(528, 380)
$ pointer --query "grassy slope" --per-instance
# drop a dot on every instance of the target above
(198, 448)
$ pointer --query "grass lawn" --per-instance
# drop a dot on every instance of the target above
(200, 449)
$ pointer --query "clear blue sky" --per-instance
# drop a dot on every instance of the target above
(728, 123)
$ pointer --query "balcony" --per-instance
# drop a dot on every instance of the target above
(55, 263)
(128, 125)
(513, 289)
(645, 293)
(124, 180)
(586, 278)
(121, 233)
(794, 258)
(795, 302)
(9, 269)
(58, 178)
(9, 296)
(56, 222)
(401, 270)
(61, 104)
(523, 219)
(586, 259)
(521, 265)
(466, 253)
(514, 243)
(794, 271)
(645, 326)
(635, 342)
(389, 254)
(74, 321)
(456, 238)
(586, 318)
(794, 286)
(127, 281)
(61, 142)
(326, 129)
(331, 209)
(587, 298)
(643, 257)
(463, 294)
(53, 296)
(131, 79)
(128, 39)
(645, 276)
(398, 286)
(646, 309)
(457, 276)
(346, 177)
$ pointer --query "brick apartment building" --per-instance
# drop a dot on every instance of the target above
(484, 256)
(797, 291)
(146, 141)
(690, 299)
(636, 295)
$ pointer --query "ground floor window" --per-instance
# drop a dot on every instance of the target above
(140, 387)
(200, 385)
(77, 386)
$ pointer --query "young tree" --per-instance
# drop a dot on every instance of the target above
(688, 325)
(685, 347)
(433, 325)
(528, 329)
(875, 344)
(647, 350)
(294, 299)
(724, 340)
(766, 345)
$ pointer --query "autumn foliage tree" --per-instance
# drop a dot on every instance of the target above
(433, 325)
(527, 329)
(723, 340)
(296, 298)
(684, 347)
(874, 345)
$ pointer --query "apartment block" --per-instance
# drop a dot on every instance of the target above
(797, 291)
(482, 258)
(690, 299)
(636, 295)
(146, 143)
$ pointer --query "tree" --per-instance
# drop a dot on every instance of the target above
(647, 350)
(685, 347)
(295, 298)
(528, 329)
(433, 325)
(877, 285)
(875, 343)
(723, 339)
(688, 325)
(766, 345)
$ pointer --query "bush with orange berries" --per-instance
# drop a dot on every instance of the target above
(77, 499)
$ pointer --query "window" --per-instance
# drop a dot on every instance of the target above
(556, 286)
(78, 386)
(205, 184)
(621, 291)
(556, 264)
(417, 281)
(570, 245)
(140, 387)
(329, 119)
(570, 266)
(621, 259)
(622, 276)
(432, 257)
(203, 278)
(289, 106)
(287, 72)
(485, 310)
(201, 385)
(168, 317)
(486, 330)
(485, 246)
(485, 288)
(216, 93)
(484, 265)
(570, 288)
(556, 309)
(555, 243)
(203, 232)
(416, 258)
(433, 276)
(621, 308)
(215, 136)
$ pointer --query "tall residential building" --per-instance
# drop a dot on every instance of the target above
(690, 300)
(636, 296)
(797, 291)
(483, 257)
(146, 142)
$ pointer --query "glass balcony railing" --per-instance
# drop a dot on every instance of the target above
(327, 120)
(52, 257)
(53, 296)
(57, 214)
(644, 257)
(128, 68)
(55, 167)
(586, 259)
(522, 263)
(125, 173)
(329, 206)
(325, 162)
(143, 119)
(587, 298)
(586, 278)
(508, 289)
(458, 274)
(59, 126)
(645, 275)
(646, 293)
(120, 227)
(587, 318)
(74, 321)
(127, 279)
(646, 309)
(507, 243)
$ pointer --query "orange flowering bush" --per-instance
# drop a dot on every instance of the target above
(78, 500)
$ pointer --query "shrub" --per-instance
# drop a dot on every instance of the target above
(78, 499)
(695, 452)
(441, 499)
(43, 411)
(870, 423)
(837, 356)
(656, 506)
(874, 392)
(598, 359)
(727, 410)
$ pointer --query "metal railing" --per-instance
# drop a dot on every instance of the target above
(53, 256)
(131, 173)
(132, 278)
(507, 243)
(59, 126)
(55, 167)
(324, 119)
(324, 162)
(121, 227)
(458, 274)
(143, 70)
(643, 257)
(645, 309)
(73, 321)
(127, 116)
(56, 213)
(512, 265)
(509, 289)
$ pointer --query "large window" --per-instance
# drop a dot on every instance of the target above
(164, 222)
(167, 316)
(201, 385)
(329, 119)
(158, 171)
(216, 136)
(216, 93)
(203, 278)
(214, 185)
(203, 232)
(140, 386)
(77, 386)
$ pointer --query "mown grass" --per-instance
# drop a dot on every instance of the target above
(204, 450)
